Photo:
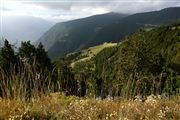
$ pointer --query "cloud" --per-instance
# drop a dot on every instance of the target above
(123, 6)
(63, 10)
(5, 9)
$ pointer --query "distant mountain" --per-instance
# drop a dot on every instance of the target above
(77, 34)
(18, 28)
(112, 27)
(128, 25)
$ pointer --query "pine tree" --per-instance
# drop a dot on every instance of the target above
(8, 59)
(27, 52)
(42, 60)
(65, 78)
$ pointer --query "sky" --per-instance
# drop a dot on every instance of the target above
(64, 10)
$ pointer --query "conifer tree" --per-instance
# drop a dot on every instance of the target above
(65, 78)
(8, 59)
(27, 52)
(42, 60)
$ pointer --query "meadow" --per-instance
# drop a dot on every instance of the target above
(57, 106)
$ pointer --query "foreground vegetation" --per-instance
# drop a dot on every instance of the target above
(61, 107)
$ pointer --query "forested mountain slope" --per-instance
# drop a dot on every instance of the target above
(152, 56)
(145, 59)
(77, 34)
(82, 33)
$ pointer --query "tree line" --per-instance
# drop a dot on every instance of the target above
(29, 72)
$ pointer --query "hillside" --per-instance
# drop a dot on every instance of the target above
(130, 24)
(80, 34)
(151, 58)
(89, 53)
(145, 56)
(77, 34)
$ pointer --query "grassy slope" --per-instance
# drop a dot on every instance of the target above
(87, 54)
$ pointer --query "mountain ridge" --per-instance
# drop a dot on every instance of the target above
(82, 33)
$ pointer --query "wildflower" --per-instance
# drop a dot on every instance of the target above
(161, 114)
(167, 108)
(138, 98)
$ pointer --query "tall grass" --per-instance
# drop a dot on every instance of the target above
(145, 85)
(24, 83)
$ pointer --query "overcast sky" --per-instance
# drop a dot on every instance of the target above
(63, 10)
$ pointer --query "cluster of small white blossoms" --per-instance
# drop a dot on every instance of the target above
(138, 98)
(112, 115)
(163, 111)
(161, 114)
(19, 117)
(152, 100)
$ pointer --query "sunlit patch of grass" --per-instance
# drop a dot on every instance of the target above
(92, 51)
(10, 108)
(46, 107)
